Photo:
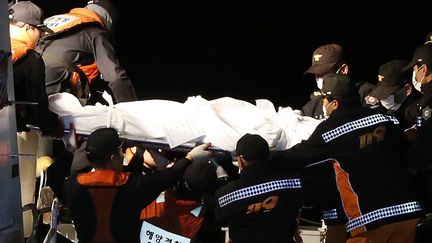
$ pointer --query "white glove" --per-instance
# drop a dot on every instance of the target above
(200, 153)
(220, 172)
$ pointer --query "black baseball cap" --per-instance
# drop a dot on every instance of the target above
(253, 147)
(102, 142)
(106, 10)
(325, 58)
(391, 77)
(428, 38)
(422, 55)
(339, 86)
(29, 13)
(198, 179)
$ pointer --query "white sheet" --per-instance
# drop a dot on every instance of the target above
(221, 121)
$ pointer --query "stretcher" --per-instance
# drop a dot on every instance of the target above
(220, 121)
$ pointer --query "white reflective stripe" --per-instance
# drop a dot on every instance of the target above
(393, 119)
(258, 189)
(383, 213)
(354, 125)
(330, 214)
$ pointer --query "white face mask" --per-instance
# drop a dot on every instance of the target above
(125, 160)
(324, 108)
(389, 103)
(417, 85)
(319, 82)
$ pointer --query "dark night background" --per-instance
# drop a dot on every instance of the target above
(254, 49)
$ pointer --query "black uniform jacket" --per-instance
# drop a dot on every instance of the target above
(419, 156)
(29, 86)
(261, 206)
(366, 151)
(419, 111)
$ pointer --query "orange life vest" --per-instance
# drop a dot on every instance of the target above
(169, 213)
(77, 16)
(174, 215)
(103, 185)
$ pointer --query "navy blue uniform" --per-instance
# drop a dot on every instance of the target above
(366, 151)
(261, 206)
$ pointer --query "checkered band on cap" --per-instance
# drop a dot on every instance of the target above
(354, 125)
(259, 189)
(383, 213)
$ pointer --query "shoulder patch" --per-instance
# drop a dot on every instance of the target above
(426, 113)
(317, 93)
(369, 100)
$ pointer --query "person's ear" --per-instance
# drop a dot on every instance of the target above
(427, 70)
(241, 161)
(113, 156)
(344, 69)
(408, 89)
(335, 104)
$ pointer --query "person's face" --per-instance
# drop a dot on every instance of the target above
(335, 70)
(33, 32)
(329, 105)
(319, 78)
(419, 73)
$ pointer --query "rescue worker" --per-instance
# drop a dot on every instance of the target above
(29, 70)
(31, 100)
(328, 59)
(418, 156)
(181, 210)
(80, 57)
(186, 210)
(105, 204)
(421, 64)
(366, 150)
(263, 204)
(394, 93)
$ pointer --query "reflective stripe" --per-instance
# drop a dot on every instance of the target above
(330, 214)
(383, 213)
(354, 125)
(258, 189)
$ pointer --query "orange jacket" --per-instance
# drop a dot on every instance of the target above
(175, 215)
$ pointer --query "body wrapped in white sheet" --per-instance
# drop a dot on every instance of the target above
(220, 121)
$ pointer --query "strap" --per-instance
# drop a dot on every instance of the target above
(78, 81)
(103, 198)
